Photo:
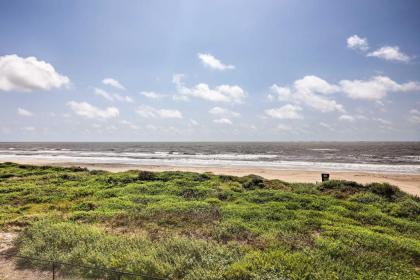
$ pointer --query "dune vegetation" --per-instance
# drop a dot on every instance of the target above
(180, 225)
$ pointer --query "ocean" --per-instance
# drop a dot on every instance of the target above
(382, 157)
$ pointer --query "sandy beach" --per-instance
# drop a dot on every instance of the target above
(409, 183)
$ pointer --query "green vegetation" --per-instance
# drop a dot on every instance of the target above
(181, 225)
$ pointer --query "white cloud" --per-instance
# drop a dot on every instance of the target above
(356, 42)
(28, 74)
(311, 91)
(223, 121)
(113, 96)
(288, 111)
(375, 88)
(151, 112)
(151, 94)
(223, 112)
(346, 118)
(166, 113)
(390, 53)
(178, 97)
(210, 61)
(222, 93)
(320, 103)
(313, 84)
(113, 83)
(280, 93)
(86, 110)
(414, 116)
(24, 113)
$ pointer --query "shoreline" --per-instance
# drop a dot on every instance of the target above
(409, 183)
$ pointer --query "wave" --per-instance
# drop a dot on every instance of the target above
(222, 160)
(138, 155)
(324, 149)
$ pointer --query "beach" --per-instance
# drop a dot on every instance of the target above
(409, 183)
(396, 163)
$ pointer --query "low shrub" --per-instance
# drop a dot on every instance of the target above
(385, 190)
(340, 189)
(146, 176)
(253, 182)
(183, 225)
(407, 208)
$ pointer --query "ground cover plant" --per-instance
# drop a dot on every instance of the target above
(181, 225)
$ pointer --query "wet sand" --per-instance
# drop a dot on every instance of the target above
(409, 183)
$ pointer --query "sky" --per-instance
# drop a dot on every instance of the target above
(209, 70)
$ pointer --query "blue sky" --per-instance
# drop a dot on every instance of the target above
(209, 70)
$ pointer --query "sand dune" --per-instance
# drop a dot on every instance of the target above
(409, 183)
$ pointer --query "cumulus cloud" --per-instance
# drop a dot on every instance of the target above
(375, 88)
(279, 93)
(113, 83)
(223, 112)
(357, 43)
(311, 91)
(288, 112)
(222, 93)
(212, 62)
(151, 112)
(314, 84)
(314, 92)
(390, 53)
(28, 74)
(89, 111)
(24, 113)
(113, 96)
(223, 121)
(151, 94)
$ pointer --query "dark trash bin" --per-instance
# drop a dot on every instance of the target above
(325, 177)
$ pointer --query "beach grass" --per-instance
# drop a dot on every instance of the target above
(183, 225)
